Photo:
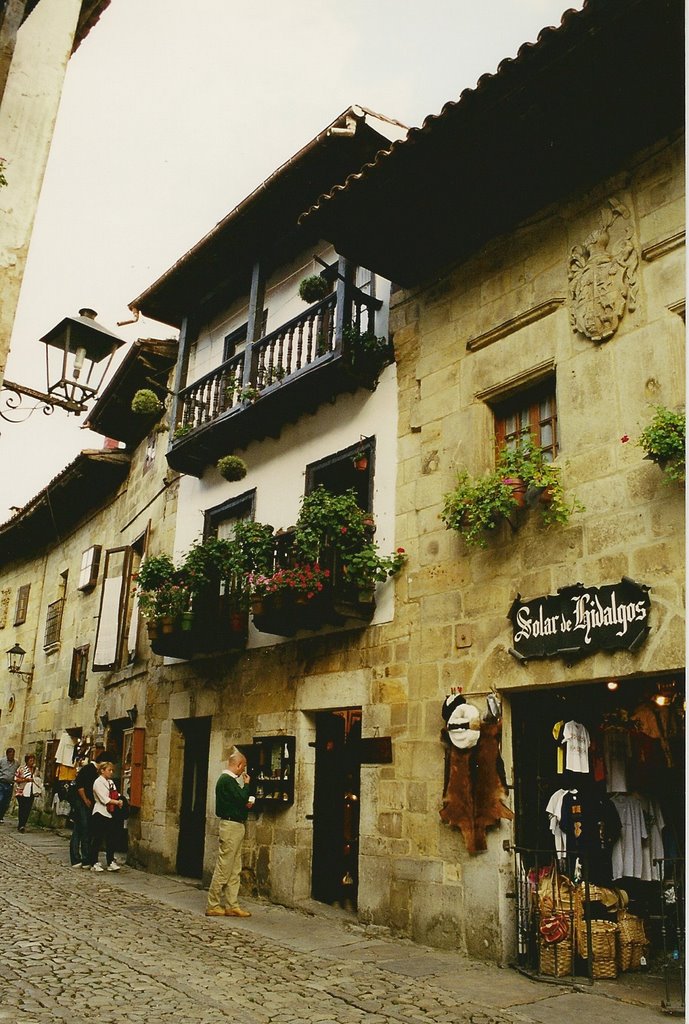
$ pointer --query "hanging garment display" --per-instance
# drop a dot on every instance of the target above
(576, 740)
(475, 792)
(627, 853)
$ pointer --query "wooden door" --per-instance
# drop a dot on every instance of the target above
(192, 815)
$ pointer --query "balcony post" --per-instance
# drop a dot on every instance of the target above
(343, 308)
(255, 324)
(181, 371)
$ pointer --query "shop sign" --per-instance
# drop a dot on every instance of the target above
(580, 620)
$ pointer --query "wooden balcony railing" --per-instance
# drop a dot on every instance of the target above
(272, 362)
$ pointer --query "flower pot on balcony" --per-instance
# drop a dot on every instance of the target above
(167, 624)
(153, 627)
(367, 596)
(186, 621)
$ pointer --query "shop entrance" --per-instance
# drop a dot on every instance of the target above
(335, 868)
(192, 813)
(614, 752)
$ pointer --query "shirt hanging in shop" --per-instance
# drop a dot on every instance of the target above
(627, 853)
(577, 742)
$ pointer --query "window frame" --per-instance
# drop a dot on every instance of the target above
(22, 604)
(93, 566)
(78, 670)
(367, 444)
(243, 506)
(527, 400)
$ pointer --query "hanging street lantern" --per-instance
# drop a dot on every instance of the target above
(78, 354)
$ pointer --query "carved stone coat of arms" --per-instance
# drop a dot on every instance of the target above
(602, 275)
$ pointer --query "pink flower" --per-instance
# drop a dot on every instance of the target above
(343, 529)
(624, 438)
(400, 551)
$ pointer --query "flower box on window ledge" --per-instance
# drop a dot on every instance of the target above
(290, 603)
(214, 626)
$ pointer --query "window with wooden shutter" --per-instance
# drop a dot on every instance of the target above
(114, 600)
(90, 564)
(77, 677)
(22, 604)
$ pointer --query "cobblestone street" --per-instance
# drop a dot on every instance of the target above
(136, 947)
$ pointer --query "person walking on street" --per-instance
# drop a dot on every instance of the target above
(105, 799)
(232, 807)
(82, 807)
(26, 791)
(8, 769)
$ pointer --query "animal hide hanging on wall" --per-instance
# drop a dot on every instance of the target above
(474, 798)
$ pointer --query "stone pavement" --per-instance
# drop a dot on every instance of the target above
(135, 947)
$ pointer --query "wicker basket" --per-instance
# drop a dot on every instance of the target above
(555, 958)
(603, 946)
(632, 942)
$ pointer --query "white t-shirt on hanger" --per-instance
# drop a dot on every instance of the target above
(577, 742)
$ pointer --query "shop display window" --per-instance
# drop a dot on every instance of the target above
(599, 785)
(270, 763)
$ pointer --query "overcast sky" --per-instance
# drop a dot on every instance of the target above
(173, 112)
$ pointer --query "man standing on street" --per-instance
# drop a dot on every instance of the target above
(82, 809)
(8, 769)
(232, 807)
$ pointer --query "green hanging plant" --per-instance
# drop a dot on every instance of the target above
(232, 468)
(146, 403)
(313, 289)
(664, 441)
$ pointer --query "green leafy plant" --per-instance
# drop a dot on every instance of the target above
(313, 288)
(478, 504)
(274, 374)
(336, 521)
(231, 467)
(229, 561)
(162, 588)
(529, 462)
(664, 441)
(249, 394)
(181, 431)
(146, 403)
(365, 354)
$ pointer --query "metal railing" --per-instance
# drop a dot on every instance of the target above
(273, 361)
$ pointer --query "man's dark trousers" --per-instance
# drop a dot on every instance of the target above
(5, 797)
(80, 844)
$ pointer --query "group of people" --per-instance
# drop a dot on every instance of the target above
(22, 779)
(94, 799)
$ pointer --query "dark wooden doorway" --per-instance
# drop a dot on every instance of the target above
(335, 868)
(192, 814)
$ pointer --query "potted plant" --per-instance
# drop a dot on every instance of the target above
(313, 289)
(360, 460)
(163, 592)
(365, 354)
(146, 403)
(530, 464)
(477, 505)
(249, 394)
(664, 441)
(231, 467)
(523, 477)
(181, 431)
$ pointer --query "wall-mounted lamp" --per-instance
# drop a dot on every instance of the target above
(71, 376)
(612, 684)
(104, 719)
(15, 658)
(665, 694)
(132, 714)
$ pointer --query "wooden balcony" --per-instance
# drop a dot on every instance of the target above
(215, 627)
(286, 612)
(280, 378)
